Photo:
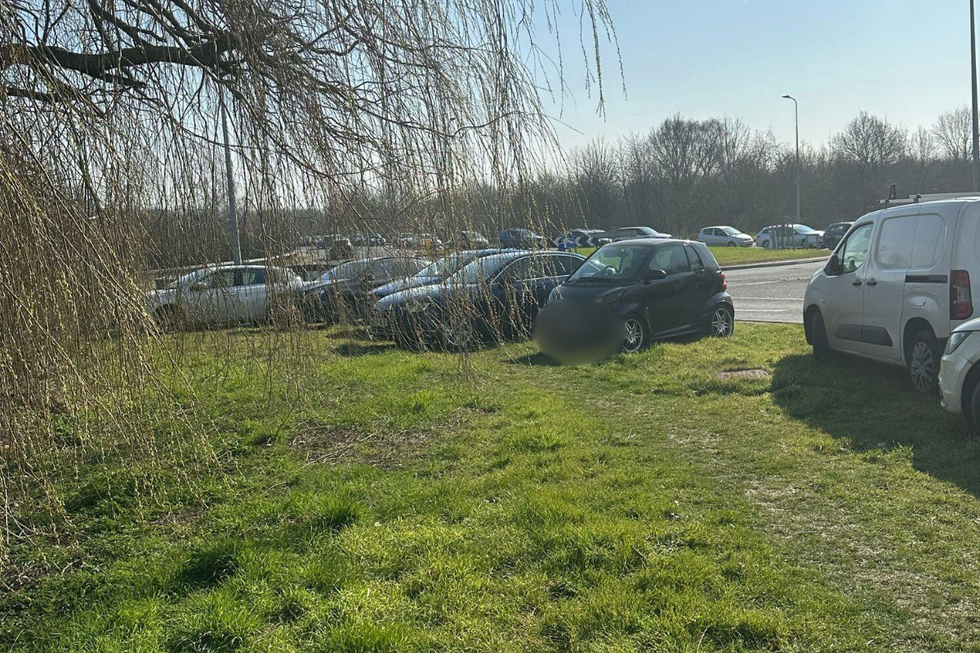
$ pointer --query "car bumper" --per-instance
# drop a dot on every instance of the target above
(952, 374)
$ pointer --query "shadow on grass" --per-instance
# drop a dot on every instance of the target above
(535, 359)
(872, 406)
(353, 349)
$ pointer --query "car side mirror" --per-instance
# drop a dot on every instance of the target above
(834, 266)
(655, 274)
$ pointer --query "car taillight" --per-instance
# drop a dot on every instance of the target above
(724, 286)
(960, 297)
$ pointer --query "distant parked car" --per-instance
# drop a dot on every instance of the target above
(408, 240)
(897, 285)
(336, 247)
(627, 233)
(494, 296)
(790, 235)
(473, 240)
(725, 237)
(835, 233)
(661, 289)
(344, 290)
(522, 239)
(226, 294)
(436, 272)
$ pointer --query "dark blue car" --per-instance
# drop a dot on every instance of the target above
(436, 272)
(491, 298)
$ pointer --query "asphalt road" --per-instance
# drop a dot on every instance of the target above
(773, 294)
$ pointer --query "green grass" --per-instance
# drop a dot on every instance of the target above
(740, 255)
(406, 502)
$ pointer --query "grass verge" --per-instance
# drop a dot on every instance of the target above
(404, 502)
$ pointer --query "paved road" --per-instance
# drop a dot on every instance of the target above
(773, 294)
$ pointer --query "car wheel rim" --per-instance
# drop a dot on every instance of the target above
(458, 332)
(634, 335)
(923, 367)
(721, 323)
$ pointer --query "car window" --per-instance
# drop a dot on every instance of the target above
(253, 277)
(895, 242)
(565, 265)
(694, 258)
(613, 262)
(930, 238)
(854, 251)
(672, 259)
(220, 279)
(523, 269)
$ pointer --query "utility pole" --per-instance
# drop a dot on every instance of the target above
(796, 106)
(236, 245)
(973, 68)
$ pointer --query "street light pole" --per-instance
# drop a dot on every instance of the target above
(236, 245)
(796, 106)
(973, 68)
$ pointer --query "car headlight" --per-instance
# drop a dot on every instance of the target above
(611, 297)
(955, 340)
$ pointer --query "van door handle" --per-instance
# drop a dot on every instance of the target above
(857, 283)
(872, 282)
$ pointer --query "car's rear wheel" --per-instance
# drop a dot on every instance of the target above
(975, 409)
(636, 334)
(731, 243)
(818, 336)
(722, 324)
(923, 362)
(766, 244)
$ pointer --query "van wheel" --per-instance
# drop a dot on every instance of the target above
(818, 336)
(766, 244)
(923, 363)
(636, 334)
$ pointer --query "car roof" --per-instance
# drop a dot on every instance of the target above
(653, 242)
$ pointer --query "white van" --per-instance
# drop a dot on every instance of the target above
(896, 286)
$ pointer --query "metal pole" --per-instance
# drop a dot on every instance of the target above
(973, 68)
(796, 109)
(236, 245)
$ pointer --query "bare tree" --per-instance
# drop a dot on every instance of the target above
(953, 131)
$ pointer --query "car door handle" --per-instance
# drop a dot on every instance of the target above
(872, 282)
(857, 283)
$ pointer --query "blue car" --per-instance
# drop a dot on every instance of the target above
(491, 298)
(436, 272)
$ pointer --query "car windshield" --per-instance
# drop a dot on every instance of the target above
(445, 266)
(346, 270)
(803, 229)
(731, 231)
(481, 269)
(188, 279)
(613, 263)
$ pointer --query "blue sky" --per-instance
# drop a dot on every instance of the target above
(903, 59)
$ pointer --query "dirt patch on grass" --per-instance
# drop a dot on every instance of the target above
(334, 444)
(752, 373)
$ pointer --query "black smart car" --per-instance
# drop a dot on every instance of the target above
(835, 233)
(660, 288)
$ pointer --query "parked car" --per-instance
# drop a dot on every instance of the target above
(627, 233)
(835, 233)
(897, 286)
(225, 294)
(660, 288)
(436, 272)
(725, 237)
(408, 240)
(492, 297)
(473, 240)
(522, 239)
(959, 374)
(344, 291)
(789, 235)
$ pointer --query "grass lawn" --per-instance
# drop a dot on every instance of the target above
(380, 500)
(738, 255)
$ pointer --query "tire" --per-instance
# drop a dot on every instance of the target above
(169, 319)
(731, 244)
(975, 409)
(766, 244)
(923, 363)
(818, 336)
(722, 322)
(636, 334)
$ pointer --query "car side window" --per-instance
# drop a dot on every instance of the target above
(672, 259)
(253, 277)
(854, 251)
(694, 258)
(220, 279)
(517, 271)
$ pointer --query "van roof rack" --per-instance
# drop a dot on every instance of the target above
(925, 197)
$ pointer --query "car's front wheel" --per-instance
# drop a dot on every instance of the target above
(923, 363)
(722, 324)
(766, 244)
(975, 408)
(732, 243)
(818, 336)
(636, 334)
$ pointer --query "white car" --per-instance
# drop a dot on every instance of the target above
(725, 237)
(224, 294)
(898, 285)
(789, 235)
(629, 233)
(959, 374)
